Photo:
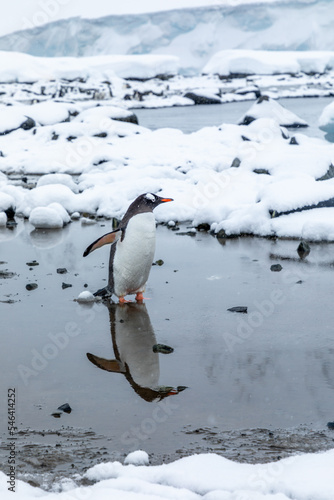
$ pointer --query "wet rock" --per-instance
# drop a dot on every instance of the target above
(4, 274)
(293, 141)
(158, 262)
(10, 212)
(61, 270)
(238, 309)
(276, 268)
(221, 234)
(65, 407)
(32, 263)
(163, 349)
(191, 232)
(303, 249)
(330, 425)
(203, 227)
(202, 99)
(65, 285)
(31, 286)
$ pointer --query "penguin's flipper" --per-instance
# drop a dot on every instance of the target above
(110, 365)
(104, 240)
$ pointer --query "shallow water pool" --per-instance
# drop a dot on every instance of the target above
(270, 368)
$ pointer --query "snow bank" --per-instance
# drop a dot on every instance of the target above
(263, 62)
(206, 477)
(18, 67)
(326, 119)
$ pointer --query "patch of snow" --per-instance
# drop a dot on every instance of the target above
(45, 218)
(86, 296)
(64, 179)
(138, 457)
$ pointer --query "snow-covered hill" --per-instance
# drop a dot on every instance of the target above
(193, 34)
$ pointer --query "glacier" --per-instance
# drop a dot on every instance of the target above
(192, 34)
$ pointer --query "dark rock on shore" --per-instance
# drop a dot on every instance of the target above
(202, 99)
(303, 249)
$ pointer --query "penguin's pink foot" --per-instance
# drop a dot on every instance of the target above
(122, 300)
(140, 297)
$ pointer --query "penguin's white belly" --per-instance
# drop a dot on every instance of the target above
(134, 255)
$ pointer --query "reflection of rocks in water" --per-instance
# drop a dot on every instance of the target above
(47, 238)
(133, 339)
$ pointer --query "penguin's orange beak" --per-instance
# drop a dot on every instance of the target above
(166, 199)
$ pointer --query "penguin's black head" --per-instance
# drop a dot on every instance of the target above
(144, 203)
(152, 200)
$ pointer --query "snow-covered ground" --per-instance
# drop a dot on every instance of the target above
(205, 477)
(238, 178)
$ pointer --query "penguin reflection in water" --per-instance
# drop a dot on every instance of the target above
(132, 251)
(133, 339)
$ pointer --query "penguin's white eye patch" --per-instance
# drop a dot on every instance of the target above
(150, 197)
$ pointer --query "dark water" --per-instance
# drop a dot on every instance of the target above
(269, 369)
(192, 118)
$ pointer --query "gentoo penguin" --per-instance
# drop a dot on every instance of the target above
(132, 252)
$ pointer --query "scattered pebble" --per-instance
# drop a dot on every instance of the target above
(163, 349)
(65, 285)
(61, 270)
(330, 425)
(238, 309)
(65, 407)
(31, 286)
(276, 268)
(158, 262)
(32, 263)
